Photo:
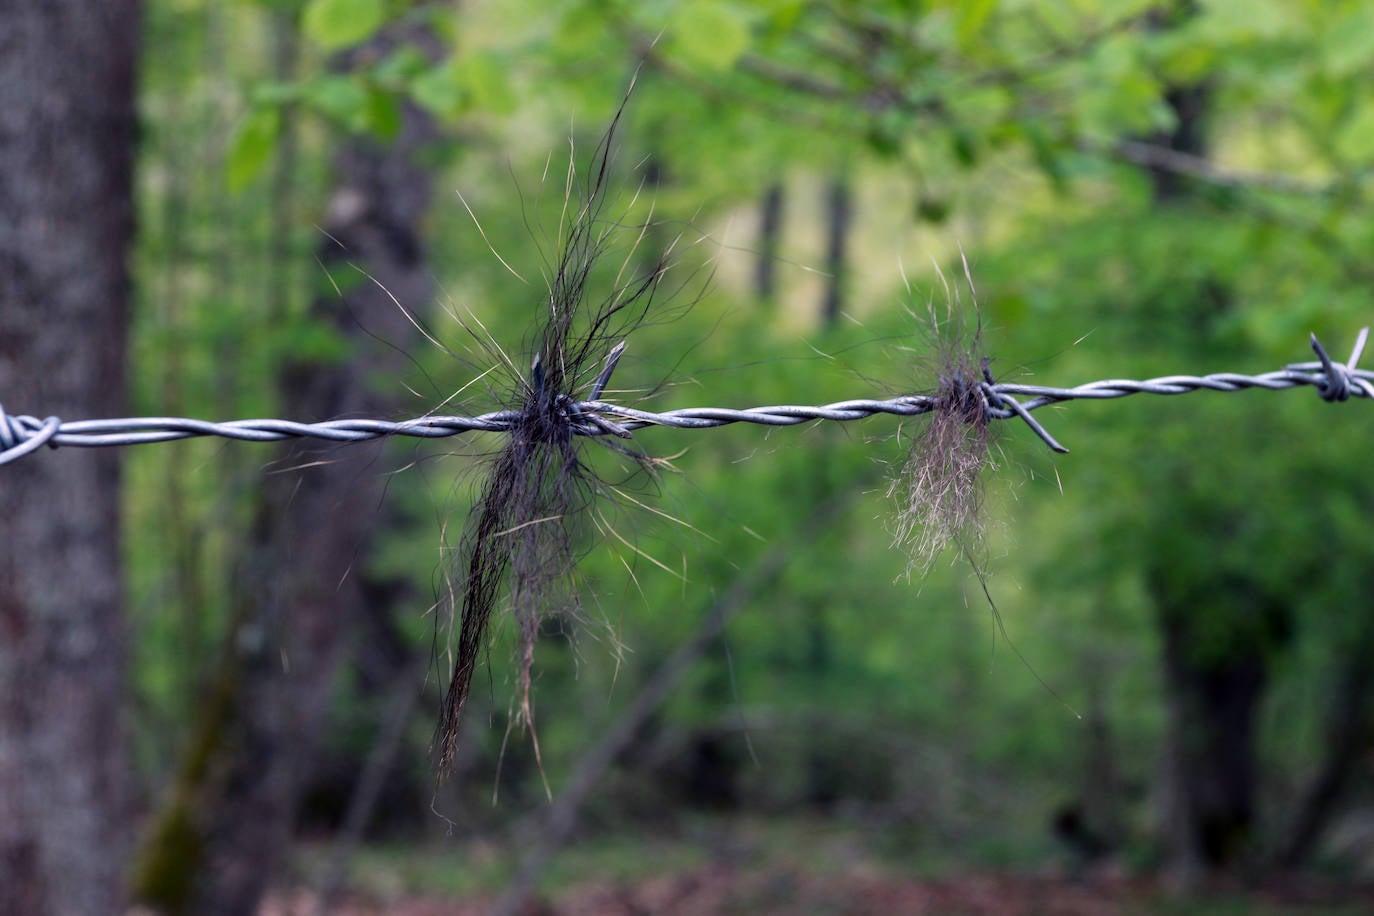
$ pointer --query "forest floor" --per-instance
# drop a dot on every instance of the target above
(786, 868)
(722, 889)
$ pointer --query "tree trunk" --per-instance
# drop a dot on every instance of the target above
(319, 512)
(770, 241)
(1190, 104)
(1212, 717)
(67, 134)
(839, 215)
(1210, 771)
(1188, 135)
(1213, 702)
(1348, 736)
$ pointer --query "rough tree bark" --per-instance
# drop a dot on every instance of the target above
(67, 136)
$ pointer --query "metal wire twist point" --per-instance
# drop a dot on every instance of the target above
(21, 435)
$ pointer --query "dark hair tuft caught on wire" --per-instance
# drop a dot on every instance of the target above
(526, 527)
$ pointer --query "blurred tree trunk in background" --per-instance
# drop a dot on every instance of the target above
(1213, 697)
(839, 217)
(1347, 736)
(302, 595)
(770, 241)
(321, 508)
(67, 137)
(1213, 691)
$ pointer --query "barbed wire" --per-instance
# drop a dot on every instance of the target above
(21, 435)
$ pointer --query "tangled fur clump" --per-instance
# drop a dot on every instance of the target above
(527, 526)
(939, 493)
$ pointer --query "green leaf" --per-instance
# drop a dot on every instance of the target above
(252, 146)
(400, 67)
(970, 18)
(784, 14)
(486, 81)
(439, 90)
(709, 35)
(335, 24)
(272, 92)
(1355, 142)
(1182, 58)
(1047, 156)
(1347, 47)
(340, 98)
(1230, 23)
(964, 146)
(581, 30)
(932, 209)
(383, 114)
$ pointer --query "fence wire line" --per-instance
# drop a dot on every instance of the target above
(20, 435)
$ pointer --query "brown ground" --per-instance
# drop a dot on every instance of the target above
(722, 889)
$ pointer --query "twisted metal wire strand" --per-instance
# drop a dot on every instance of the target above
(20, 435)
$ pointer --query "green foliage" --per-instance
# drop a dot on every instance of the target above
(253, 145)
(335, 24)
(983, 126)
(464, 84)
(709, 35)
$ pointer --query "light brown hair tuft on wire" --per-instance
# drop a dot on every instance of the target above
(938, 491)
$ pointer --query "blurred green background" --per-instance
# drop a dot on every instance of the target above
(1181, 693)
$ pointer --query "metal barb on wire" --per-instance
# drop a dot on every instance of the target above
(604, 379)
(1339, 379)
(1001, 406)
(598, 387)
(20, 435)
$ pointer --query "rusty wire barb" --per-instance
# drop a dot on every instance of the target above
(20, 435)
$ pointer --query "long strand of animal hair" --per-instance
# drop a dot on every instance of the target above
(981, 574)
(528, 517)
